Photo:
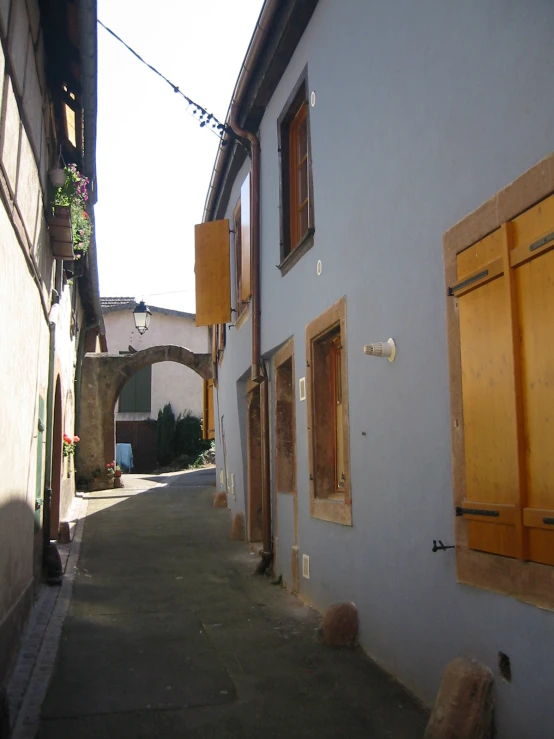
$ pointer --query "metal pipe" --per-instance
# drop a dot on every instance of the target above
(256, 374)
(266, 477)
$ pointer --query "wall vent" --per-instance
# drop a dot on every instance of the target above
(306, 566)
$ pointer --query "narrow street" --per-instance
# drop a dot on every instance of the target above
(169, 634)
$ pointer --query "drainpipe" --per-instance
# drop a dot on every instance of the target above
(256, 371)
(50, 556)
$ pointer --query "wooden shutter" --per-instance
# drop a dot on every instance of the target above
(533, 264)
(208, 422)
(143, 390)
(246, 279)
(488, 396)
(136, 395)
(41, 427)
(505, 295)
(213, 273)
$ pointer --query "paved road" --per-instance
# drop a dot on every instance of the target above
(169, 634)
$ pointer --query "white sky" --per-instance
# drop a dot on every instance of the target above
(154, 162)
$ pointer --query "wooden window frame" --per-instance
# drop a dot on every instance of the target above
(287, 126)
(240, 305)
(527, 581)
(285, 354)
(337, 507)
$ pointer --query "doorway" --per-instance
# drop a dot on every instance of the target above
(254, 462)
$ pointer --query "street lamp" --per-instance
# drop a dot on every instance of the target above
(142, 314)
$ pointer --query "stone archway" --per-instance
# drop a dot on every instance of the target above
(103, 377)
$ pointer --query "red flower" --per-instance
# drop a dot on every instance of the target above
(76, 439)
(85, 215)
(67, 439)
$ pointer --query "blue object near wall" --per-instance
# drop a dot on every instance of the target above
(124, 457)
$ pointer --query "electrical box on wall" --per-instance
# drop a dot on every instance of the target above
(302, 388)
(306, 566)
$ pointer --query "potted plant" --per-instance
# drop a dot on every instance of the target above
(69, 223)
(118, 482)
(69, 445)
(102, 479)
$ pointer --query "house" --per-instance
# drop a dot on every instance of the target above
(387, 193)
(155, 385)
(50, 303)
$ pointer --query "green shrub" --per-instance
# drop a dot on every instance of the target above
(188, 435)
(166, 435)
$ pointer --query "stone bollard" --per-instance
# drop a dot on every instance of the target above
(465, 702)
(220, 499)
(339, 627)
(64, 532)
(237, 527)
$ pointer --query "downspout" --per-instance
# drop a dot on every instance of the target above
(256, 371)
(51, 561)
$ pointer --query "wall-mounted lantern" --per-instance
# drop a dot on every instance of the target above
(142, 314)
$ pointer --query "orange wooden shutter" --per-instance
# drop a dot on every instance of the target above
(533, 263)
(208, 422)
(488, 391)
(506, 309)
(246, 282)
(213, 273)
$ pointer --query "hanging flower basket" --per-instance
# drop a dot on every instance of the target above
(61, 233)
(72, 196)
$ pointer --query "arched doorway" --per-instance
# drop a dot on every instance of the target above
(103, 378)
(57, 446)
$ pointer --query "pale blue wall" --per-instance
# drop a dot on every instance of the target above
(424, 110)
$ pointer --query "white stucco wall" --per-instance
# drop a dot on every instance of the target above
(24, 332)
(171, 383)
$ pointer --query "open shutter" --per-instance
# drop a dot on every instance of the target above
(246, 281)
(533, 264)
(213, 273)
(208, 423)
(505, 294)
(491, 505)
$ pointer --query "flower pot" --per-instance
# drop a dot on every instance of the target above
(96, 485)
(61, 234)
(57, 177)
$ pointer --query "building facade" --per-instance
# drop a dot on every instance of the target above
(391, 176)
(51, 312)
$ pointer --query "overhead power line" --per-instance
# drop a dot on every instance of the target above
(201, 114)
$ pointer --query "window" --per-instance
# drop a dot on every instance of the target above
(330, 495)
(137, 391)
(500, 314)
(297, 211)
(238, 259)
(285, 420)
(241, 227)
